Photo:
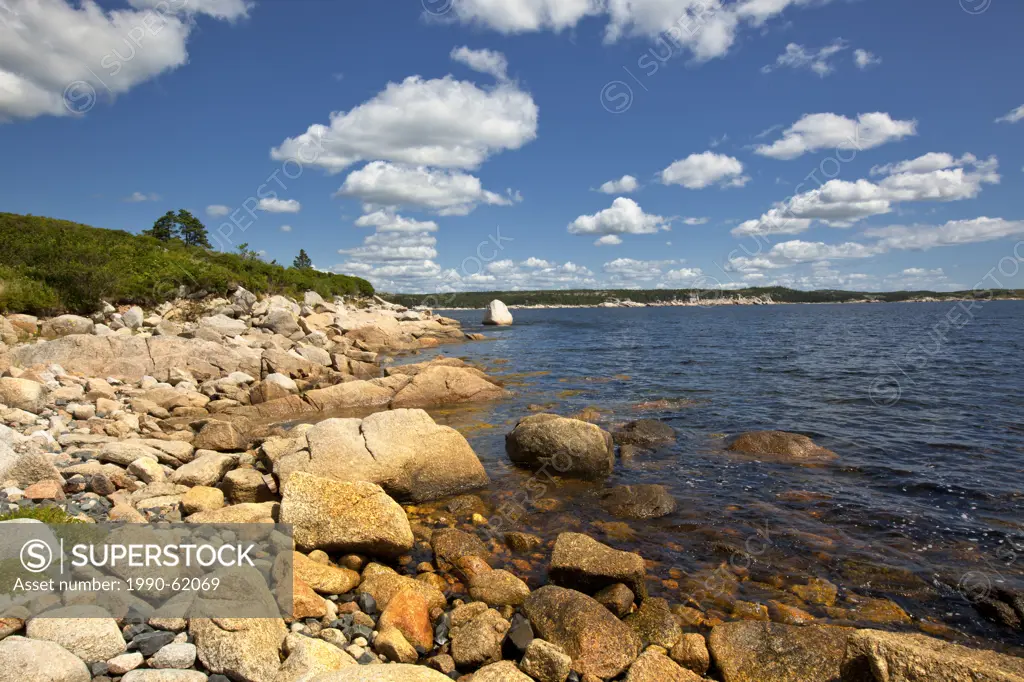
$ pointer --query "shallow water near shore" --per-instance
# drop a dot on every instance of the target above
(923, 507)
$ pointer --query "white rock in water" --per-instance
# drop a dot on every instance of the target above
(497, 313)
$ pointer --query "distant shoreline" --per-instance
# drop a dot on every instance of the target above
(710, 304)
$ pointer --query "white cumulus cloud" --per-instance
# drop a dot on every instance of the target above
(698, 171)
(832, 131)
(444, 192)
(864, 59)
(623, 217)
(217, 210)
(624, 185)
(279, 206)
(440, 122)
(59, 57)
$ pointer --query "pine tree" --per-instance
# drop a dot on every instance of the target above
(165, 228)
(193, 232)
(302, 261)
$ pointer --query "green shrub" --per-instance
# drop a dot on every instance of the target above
(45, 514)
(49, 266)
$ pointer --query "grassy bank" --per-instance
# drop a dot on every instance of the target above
(577, 297)
(50, 266)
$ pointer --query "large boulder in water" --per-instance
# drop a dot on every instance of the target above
(917, 658)
(497, 314)
(781, 446)
(643, 501)
(599, 643)
(403, 451)
(569, 447)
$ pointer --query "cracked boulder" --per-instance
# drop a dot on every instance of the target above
(403, 451)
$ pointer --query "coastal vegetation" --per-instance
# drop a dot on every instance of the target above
(50, 266)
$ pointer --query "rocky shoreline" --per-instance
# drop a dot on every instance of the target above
(186, 414)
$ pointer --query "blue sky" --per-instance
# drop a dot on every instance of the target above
(463, 144)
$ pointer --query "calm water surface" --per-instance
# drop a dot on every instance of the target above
(927, 495)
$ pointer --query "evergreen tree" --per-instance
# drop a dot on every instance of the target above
(165, 228)
(302, 261)
(193, 232)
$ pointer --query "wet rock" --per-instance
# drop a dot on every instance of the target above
(348, 517)
(653, 666)
(561, 446)
(450, 545)
(23, 659)
(643, 501)
(497, 314)
(616, 598)
(788, 614)
(868, 610)
(691, 652)
(598, 642)
(654, 623)
(875, 655)
(781, 446)
(816, 591)
(522, 542)
(546, 662)
(241, 648)
(87, 632)
(750, 651)
(478, 642)
(584, 564)
(644, 433)
(23, 394)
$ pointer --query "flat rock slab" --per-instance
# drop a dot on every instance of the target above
(749, 651)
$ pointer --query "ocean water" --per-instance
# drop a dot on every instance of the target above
(923, 403)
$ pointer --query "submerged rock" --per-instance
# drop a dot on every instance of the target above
(644, 501)
(561, 446)
(497, 314)
(781, 446)
(644, 433)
